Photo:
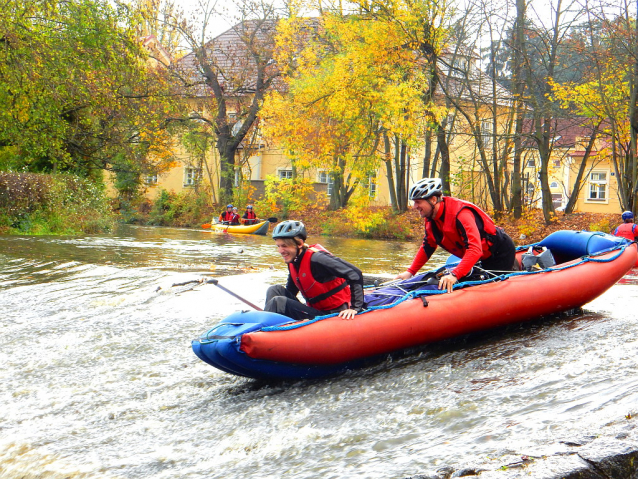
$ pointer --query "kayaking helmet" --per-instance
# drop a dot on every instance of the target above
(627, 215)
(229, 206)
(289, 229)
(249, 207)
(425, 188)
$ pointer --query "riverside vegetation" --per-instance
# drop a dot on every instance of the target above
(59, 204)
(40, 204)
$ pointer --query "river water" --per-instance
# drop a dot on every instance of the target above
(98, 379)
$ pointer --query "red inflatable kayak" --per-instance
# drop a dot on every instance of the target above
(268, 345)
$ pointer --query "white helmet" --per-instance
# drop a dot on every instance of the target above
(425, 188)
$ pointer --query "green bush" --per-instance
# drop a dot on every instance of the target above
(187, 208)
(42, 204)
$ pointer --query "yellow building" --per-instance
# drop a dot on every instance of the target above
(478, 128)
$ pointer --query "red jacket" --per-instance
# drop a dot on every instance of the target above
(323, 296)
(249, 217)
(461, 228)
(627, 230)
(229, 217)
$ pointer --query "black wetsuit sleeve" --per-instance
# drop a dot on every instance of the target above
(326, 267)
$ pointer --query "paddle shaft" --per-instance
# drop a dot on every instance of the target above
(216, 283)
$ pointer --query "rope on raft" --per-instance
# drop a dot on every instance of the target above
(416, 294)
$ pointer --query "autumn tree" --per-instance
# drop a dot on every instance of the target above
(604, 96)
(355, 91)
(227, 76)
(77, 92)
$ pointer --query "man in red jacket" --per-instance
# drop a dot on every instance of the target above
(461, 228)
(628, 228)
(327, 283)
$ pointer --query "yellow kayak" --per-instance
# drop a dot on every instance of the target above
(256, 229)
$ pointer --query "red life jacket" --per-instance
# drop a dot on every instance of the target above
(250, 215)
(226, 216)
(323, 296)
(447, 235)
(626, 230)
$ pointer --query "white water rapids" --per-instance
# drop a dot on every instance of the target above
(98, 379)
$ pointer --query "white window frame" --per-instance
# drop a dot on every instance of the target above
(284, 173)
(325, 177)
(593, 185)
(192, 176)
(372, 185)
(486, 133)
(151, 180)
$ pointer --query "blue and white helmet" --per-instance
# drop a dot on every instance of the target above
(627, 215)
(290, 229)
(425, 188)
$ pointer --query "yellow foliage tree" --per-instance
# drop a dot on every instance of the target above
(349, 80)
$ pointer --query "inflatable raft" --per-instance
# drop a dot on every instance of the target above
(270, 346)
(256, 229)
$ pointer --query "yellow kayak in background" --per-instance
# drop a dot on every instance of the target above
(256, 229)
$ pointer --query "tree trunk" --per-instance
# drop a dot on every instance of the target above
(518, 87)
(444, 171)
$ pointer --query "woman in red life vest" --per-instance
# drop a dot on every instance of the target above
(628, 228)
(249, 217)
(461, 228)
(235, 219)
(327, 283)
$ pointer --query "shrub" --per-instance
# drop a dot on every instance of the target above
(52, 204)
(187, 208)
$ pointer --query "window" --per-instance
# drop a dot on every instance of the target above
(192, 176)
(597, 186)
(325, 177)
(556, 163)
(372, 185)
(284, 174)
(554, 184)
(557, 200)
(531, 163)
(486, 133)
(150, 179)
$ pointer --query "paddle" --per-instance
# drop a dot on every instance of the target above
(216, 283)
(272, 219)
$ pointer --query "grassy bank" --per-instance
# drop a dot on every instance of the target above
(42, 204)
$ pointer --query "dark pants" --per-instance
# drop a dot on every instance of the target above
(279, 300)
(503, 254)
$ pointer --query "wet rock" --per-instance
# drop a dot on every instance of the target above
(579, 441)
(611, 455)
(468, 471)
(612, 458)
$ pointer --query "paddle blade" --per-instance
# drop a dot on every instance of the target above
(272, 219)
(206, 226)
